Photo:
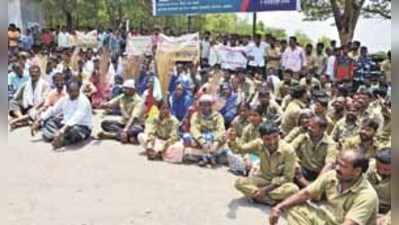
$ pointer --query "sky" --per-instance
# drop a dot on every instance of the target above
(374, 33)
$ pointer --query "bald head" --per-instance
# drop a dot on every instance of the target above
(356, 158)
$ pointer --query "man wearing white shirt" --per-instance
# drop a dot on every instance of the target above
(69, 121)
(63, 39)
(293, 57)
(205, 49)
(256, 53)
(330, 65)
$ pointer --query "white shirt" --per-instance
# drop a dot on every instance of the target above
(205, 49)
(293, 59)
(74, 112)
(214, 57)
(259, 54)
(330, 66)
(88, 69)
(63, 40)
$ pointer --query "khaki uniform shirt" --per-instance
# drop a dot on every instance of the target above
(273, 53)
(359, 203)
(250, 133)
(294, 133)
(314, 82)
(166, 129)
(130, 106)
(381, 185)
(321, 61)
(387, 68)
(343, 130)
(273, 112)
(277, 168)
(384, 137)
(214, 124)
(314, 156)
(239, 124)
(291, 115)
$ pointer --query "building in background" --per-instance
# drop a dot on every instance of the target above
(25, 13)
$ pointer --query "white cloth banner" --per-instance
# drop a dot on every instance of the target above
(138, 45)
(175, 44)
(231, 58)
(88, 40)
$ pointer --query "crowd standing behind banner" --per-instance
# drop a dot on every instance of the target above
(295, 122)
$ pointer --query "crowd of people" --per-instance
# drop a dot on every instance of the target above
(298, 123)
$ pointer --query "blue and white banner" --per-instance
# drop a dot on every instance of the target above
(179, 7)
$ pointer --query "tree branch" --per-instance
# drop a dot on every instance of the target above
(336, 13)
(381, 12)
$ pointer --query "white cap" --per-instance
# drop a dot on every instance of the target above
(206, 98)
(129, 84)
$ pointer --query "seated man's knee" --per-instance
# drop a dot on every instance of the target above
(240, 182)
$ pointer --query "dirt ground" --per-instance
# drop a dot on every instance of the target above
(106, 183)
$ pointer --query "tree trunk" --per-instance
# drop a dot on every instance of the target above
(346, 37)
(346, 21)
(69, 20)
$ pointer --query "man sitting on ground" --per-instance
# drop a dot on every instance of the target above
(69, 121)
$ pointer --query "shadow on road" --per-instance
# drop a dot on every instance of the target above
(76, 147)
(235, 204)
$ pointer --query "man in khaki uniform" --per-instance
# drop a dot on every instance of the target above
(241, 120)
(241, 163)
(280, 90)
(387, 68)
(365, 141)
(321, 109)
(271, 111)
(337, 109)
(160, 132)
(316, 152)
(379, 175)
(130, 105)
(302, 128)
(290, 117)
(345, 197)
(346, 127)
(277, 166)
(207, 130)
(384, 136)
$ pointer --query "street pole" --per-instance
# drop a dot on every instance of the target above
(188, 24)
(254, 25)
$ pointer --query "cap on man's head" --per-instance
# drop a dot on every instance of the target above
(129, 84)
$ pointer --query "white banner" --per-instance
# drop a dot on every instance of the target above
(88, 40)
(138, 45)
(183, 48)
(231, 58)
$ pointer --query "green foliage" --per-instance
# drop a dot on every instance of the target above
(276, 32)
(325, 40)
(220, 23)
(322, 9)
(302, 38)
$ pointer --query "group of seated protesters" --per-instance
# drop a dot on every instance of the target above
(291, 136)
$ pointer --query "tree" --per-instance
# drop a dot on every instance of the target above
(302, 38)
(325, 40)
(278, 33)
(346, 13)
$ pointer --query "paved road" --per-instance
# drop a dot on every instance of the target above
(106, 183)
